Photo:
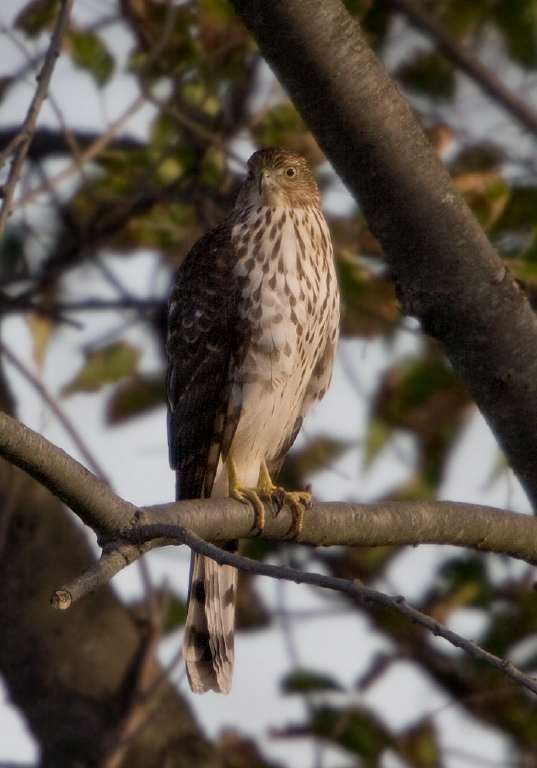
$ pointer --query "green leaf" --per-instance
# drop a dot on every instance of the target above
(90, 53)
(429, 74)
(279, 126)
(517, 21)
(418, 746)
(104, 366)
(175, 614)
(356, 730)
(308, 681)
(136, 395)
(36, 17)
(319, 454)
(520, 211)
(378, 436)
(12, 253)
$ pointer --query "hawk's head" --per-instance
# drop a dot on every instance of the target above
(278, 177)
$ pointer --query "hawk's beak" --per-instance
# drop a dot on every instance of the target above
(264, 176)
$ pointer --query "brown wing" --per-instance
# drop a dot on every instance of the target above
(202, 338)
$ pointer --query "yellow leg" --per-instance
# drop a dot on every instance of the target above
(236, 491)
(299, 501)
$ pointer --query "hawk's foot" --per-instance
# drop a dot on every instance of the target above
(299, 501)
(252, 495)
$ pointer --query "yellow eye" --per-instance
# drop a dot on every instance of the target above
(291, 172)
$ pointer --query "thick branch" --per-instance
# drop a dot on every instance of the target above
(384, 523)
(446, 271)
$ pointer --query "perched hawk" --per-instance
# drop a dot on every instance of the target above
(253, 328)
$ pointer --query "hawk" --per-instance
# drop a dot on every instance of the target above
(252, 333)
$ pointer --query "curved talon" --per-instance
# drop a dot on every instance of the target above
(251, 494)
(299, 501)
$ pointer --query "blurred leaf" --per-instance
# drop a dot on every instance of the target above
(36, 17)
(428, 74)
(462, 583)
(422, 395)
(176, 611)
(12, 253)
(319, 454)
(520, 211)
(41, 329)
(250, 611)
(418, 745)
(369, 303)
(90, 53)
(356, 730)
(309, 681)
(376, 20)
(486, 193)
(378, 436)
(517, 20)
(239, 752)
(138, 394)
(473, 158)
(283, 126)
(104, 366)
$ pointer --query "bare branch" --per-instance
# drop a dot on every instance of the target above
(326, 524)
(467, 63)
(21, 145)
(128, 532)
(355, 589)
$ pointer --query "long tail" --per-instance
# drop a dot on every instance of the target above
(209, 631)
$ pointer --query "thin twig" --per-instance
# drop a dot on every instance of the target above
(66, 423)
(354, 588)
(85, 156)
(28, 126)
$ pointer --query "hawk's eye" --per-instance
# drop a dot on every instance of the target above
(291, 172)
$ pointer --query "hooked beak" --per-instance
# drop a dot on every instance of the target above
(264, 176)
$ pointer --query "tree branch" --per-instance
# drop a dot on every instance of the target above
(326, 524)
(19, 146)
(446, 272)
(467, 63)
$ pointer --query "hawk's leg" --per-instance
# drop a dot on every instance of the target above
(299, 501)
(236, 491)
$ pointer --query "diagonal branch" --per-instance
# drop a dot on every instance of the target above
(19, 146)
(446, 272)
(462, 58)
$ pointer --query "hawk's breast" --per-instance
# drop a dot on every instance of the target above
(289, 305)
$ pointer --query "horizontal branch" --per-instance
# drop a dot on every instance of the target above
(127, 532)
(325, 524)
(177, 534)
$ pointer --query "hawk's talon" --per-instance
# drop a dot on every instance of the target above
(251, 495)
(299, 501)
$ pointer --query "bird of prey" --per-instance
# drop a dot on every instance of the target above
(252, 333)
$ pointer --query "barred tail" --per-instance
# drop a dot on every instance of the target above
(208, 639)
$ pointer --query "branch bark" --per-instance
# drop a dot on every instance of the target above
(326, 524)
(446, 271)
